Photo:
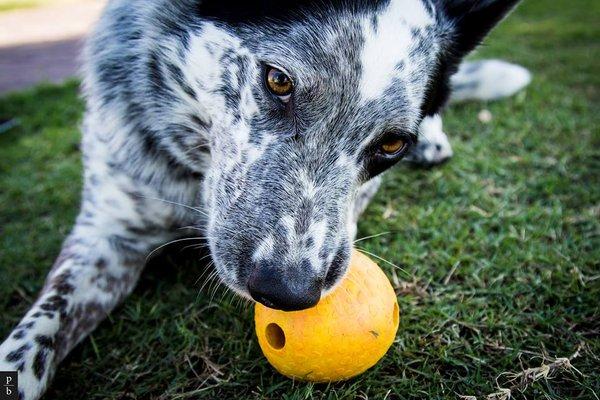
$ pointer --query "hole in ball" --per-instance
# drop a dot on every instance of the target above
(275, 336)
(395, 314)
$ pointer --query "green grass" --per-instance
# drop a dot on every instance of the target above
(499, 248)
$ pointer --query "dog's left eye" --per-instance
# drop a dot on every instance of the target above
(386, 151)
(279, 83)
(393, 146)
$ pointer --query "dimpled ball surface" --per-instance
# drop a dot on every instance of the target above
(346, 333)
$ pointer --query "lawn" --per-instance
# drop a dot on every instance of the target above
(499, 249)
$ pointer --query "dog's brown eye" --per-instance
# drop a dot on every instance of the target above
(393, 146)
(279, 83)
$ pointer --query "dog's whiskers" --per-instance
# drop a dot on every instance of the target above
(209, 278)
(200, 146)
(206, 268)
(215, 287)
(199, 238)
(383, 259)
(196, 246)
(372, 236)
(196, 209)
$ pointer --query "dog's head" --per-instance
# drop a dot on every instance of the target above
(304, 102)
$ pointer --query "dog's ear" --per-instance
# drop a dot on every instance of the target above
(467, 22)
(462, 25)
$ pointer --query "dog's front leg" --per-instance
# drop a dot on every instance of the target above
(98, 266)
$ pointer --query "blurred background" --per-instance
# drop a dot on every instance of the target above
(40, 40)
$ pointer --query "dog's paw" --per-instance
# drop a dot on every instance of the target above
(433, 147)
(29, 351)
(14, 359)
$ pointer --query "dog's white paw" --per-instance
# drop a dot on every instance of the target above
(18, 357)
(433, 146)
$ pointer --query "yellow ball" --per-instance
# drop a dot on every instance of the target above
(345, 334)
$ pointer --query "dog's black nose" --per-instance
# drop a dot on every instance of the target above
(282, 291)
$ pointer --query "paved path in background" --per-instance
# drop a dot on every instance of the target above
(44, 44)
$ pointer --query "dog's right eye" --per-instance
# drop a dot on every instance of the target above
(279, 83)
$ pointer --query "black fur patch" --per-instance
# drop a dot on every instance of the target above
(26, 325)
(39, 364)
(45, 341)
(20, 334)
(101, 263)
(437, 93)
(47, 314)
(336, 269)
(54, 303)
(20, 367)
(62, 285)
(472, 20)
(18, 354)
(241, 11)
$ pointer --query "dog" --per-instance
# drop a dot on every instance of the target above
(263, 126)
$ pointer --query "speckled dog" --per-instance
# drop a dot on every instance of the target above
(266, 124)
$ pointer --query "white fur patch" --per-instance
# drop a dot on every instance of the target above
(264, 249)
(488, 80)
(317, 231)
(309, 189)
(387, 43)
(431, 133)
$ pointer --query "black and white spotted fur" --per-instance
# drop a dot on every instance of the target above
(178, 114)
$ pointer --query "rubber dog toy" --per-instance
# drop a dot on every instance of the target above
(345, 334)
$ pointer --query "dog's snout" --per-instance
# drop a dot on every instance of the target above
(286, 292)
